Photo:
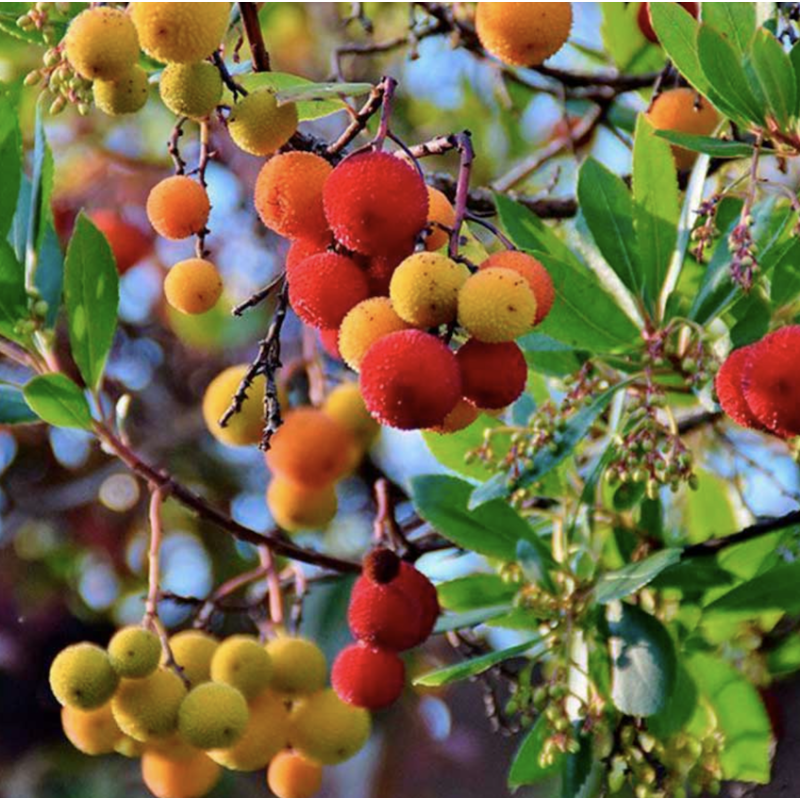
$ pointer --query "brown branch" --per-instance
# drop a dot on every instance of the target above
(360, 119)
(153, 557)
(229, 587)
(235, 88)
(257, 297)
(255, 38)
(467, 156)
(173, 147)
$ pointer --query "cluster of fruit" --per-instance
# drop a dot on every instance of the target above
(353, 274)
(236, 704)
(758, 385)
(393, 607)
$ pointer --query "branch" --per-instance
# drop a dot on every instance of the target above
(760, 528)
(361, 118)
(464, 145)
(255, 39)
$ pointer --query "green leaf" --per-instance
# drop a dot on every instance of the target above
(525, 768)
(469, 619)
(13, 408)
(58, 401)
(622, 582)
(735, 21)
(91, 293)
(693, 576)
(773, 590)
(656, 207)
(794, 57)
(677, 31)
(535, 560)
(679, 709)
(451, 449)
(607, 206)
(10, 163)
(774, 76)
(643, 661)
(475, 591)
(492, 530)
(475, 666)
(719, 148)
(784, 659)
(740, 716)
(13, 298)
(577, 769)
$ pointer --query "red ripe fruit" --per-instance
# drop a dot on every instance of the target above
(410, 380)
(300, 250)
(492, 375)
(323, 288)
(329, 339)
(411, 581)
(375, 203)
(380, 270)
(771, 381)
(728, 384)
(646, 25)
(368, 677)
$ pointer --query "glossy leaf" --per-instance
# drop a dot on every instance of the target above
(525, 768)
(58, 401)
(677, 32)
(469, 619)
(719, 148)
(773, 590)
(623, 582)
(13, 298)
(735, 21)
(773, 72)
(13, 408)
(475, 591)
(10, 163)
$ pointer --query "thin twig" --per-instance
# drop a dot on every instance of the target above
(360, 119)
(275, 596)
(235, 88)
(153, 556)
(252, 30)
(173, 147)
(257, 297)
(464, 147)
(229, 587)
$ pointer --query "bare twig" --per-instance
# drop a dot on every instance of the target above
(360, 119)
(464, 147)
(275, 596)
(229, 587)
(153, 556)
(173, 147)
(255, 39)
(257, 297)
(235, 88)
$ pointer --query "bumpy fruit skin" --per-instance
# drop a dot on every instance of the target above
(81, 676)
(523, 34)
(684, 111)
(496, 305)
(424, 289)
(191, 90)
(101, 43)
(492, 375)
(193, 651)
(462, 416)
(346, 405)
(292, 775)
(259, 126)
(441, 215)
(410, 380)
(298, 666)
(329, 339)
(375, 203)
(380, 270)
(242, 662)
(728, 385)
(178, 207)
(245, 427)
(411, 581)
(368, 677)
(125, 95)
(535, 274)
(299, 251)
(266, 734)
(213, 715)
(128, 242)
(771, 381)
(646, 24)
(364, 325)
(189, 774)
(295, 507)
(325, 729)
(193, 286)
(147, 708)
(134, 652)
(384, 616)
(323, 288)
(92, 732)
(288, 196)
(180, 32)
(310, 448)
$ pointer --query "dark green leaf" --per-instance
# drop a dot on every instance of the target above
(91, 293)
(785, 658)
(794, 57)
(679, 709)
(13, 408)
(677, 32)
(10, 163)
(58, 401)
(578, 766)
(525, 768)
(774, 590)
(643, 661)
(13, 298)
(719, 148)
(735, 21)
(607, 206)
(469, 619)
(622, 582)
(693, 576)
(774, 76)
(549, 357)
(535, 559)
(785, 284)
(475, 591)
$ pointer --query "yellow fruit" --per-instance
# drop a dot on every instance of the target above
(134, 652)
(259, 126)
(346, 405)
(365, 323)
(683, 110)
(93, 732)
(191, 90)
(247, 425)
(242, 662)
(180, 32)
(178, 207)
(81, 676)
(192, 774)
(523, 34)
(213, 715)
(298, 666)
(266, 734)
(295, 507)
(424, 289)
(125, 95)
(128, 747)
(193, 651)
(147, 708)
(193, 286)
(291, 775)
(326, 729)
(496, 305)
(101, 44)
(441, 216)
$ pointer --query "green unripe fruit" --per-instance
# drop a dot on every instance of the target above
(258, 125)
(134, 652)
(81, 676)
(213, 715)
(242, 662)
(147, 708)
(193, 651)
(191, 90)
(126, 95)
